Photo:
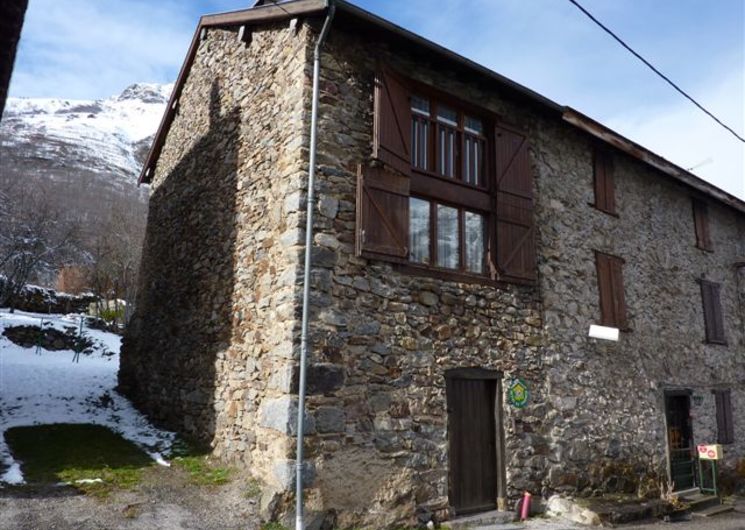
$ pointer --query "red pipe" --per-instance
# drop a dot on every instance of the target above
(525, 509)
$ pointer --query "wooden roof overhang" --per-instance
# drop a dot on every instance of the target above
(365, 23)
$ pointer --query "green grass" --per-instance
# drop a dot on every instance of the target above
(273, 526)
(74, 452)
(202, 472)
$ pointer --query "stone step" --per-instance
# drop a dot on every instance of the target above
(482, 521)
(700, 501)
(690, 491)
(714, 510)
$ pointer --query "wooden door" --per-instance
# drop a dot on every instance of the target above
(472, 443)
(681, 449)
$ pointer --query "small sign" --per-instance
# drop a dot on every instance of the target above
(603, 332)
(710, 452)
(518, 393)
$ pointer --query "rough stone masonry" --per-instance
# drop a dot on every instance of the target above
(213, 349)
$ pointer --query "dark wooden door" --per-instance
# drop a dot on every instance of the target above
(680, 441)
(473, 444)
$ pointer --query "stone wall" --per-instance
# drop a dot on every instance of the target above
(213, 348)
(597, 420)
(211, 342)
(38, 299)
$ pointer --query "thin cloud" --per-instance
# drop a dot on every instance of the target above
(84, 49)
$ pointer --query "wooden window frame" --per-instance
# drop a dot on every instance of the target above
(724, 416)
(613, 310)
(604, 182)
(461, 270)
(702, 224)
(436, 188)
(503, 199)
(714, 330)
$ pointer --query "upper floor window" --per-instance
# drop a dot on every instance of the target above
(610, 288)
(713, 318)
(701, 225)
(603, 176)
(447, 142)
(454, 192)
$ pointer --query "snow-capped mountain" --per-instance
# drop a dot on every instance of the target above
(82, 142)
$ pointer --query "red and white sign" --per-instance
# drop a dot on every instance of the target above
(710, 452)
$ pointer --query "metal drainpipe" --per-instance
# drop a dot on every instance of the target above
(299, 525)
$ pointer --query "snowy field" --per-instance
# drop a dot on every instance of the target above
(49, 387)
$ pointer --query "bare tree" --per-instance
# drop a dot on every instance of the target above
(36, 238)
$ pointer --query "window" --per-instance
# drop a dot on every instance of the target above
(701, 225)
(713, 319)
(457, 139)
(448, 237)
(459, 181)
(610, 287)
(725, 425)
(605, 193)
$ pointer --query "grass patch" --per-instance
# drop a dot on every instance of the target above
(202, 472)
(273, 526)
(253, 489)
(77, 452)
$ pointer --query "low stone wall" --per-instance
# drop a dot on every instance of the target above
(37, 299)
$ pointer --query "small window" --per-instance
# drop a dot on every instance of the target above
(475, 230)
(725, 425)
(420, 132)
(610, 287)
(474, 145)
(605, 193)
(701, 224)
(419, 230)
(713, 318)
(448, 248)
(459, 239)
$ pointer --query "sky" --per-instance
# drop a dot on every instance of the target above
(89, 49)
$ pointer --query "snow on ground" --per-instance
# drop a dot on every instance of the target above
(50, 388)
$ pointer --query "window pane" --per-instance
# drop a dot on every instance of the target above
(447, 115)
(418, 230)
(475, 247)
(419, 141)
(473, 125)
(473, 160)
(446, 155)
(420, 105)
(447, 237)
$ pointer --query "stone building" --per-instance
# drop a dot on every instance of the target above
(469, 233)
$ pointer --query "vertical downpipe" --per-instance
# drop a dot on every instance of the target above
(299, 525)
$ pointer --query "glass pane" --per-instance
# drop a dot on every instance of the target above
(419, 141)
(447, 115)
(418, 230)
(420, 105)
(475, 242)
(446, 156)
(473, 160)
(473, 125)
(447, 237)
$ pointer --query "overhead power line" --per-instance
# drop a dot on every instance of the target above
(655, 70)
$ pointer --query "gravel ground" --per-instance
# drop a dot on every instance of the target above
(165, 500)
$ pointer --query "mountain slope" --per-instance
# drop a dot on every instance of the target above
(101, 140)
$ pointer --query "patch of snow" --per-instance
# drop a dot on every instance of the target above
(50, 388)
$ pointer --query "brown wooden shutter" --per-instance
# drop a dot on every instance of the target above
(515, 233)
(713, 318)
(605, 191)
(392, 123)
(382, 214)
(701, 224)
(725, 425)
(611, 291)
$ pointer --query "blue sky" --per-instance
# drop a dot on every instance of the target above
(95, 48)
